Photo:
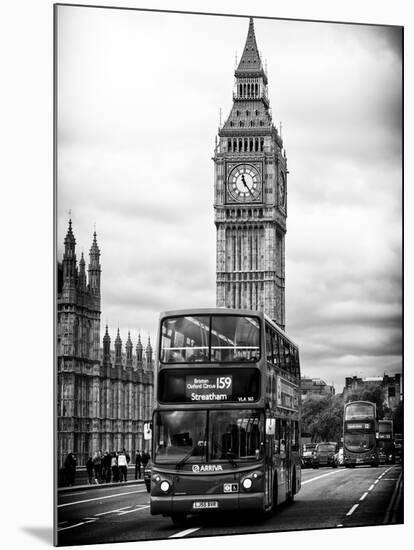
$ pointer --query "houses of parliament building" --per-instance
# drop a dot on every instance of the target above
(104, 395)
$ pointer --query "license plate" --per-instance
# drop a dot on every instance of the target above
(359, 460)
(202, 504)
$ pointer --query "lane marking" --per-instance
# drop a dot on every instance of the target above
(339, 525)
(134, 510)
(77, 493)
(184, 533)
(389, 479)
(376, 481)
(352, 510)
(63, 522)
(100, 498)
(394, 498)
(319, 477)
(363, 496)
(112, 511)
(76, 525)
(372, 486)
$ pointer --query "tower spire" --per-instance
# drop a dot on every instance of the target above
(250, 62)
(118, 349)
(128, 349)
(106, 346)
(94, 269)
(139, 350)
(69, 257)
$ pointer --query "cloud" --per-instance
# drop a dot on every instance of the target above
(138, 109)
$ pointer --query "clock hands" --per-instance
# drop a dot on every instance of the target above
(245, 184)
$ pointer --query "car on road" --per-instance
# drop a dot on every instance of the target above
(307, 454)
(324, 454)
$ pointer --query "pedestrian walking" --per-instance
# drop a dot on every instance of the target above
(122, 465)
(138, 461)
(145, 458)
(70, 468)
(106, 467)
(97, 466)
(114, 467)
(89, 469)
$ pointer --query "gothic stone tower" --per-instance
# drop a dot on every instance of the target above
(103, 398)
(250, 196)
(78, 335)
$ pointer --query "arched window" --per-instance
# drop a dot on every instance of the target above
(229, 145)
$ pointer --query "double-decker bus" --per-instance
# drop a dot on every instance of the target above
(386, 444)
(360, 427)
(226, 414)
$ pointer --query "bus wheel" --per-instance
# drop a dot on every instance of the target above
(178, 519)
(274, 499)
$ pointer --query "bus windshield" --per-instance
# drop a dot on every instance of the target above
(359, 441)
(210, 338)
(201, 436)
(359, 410)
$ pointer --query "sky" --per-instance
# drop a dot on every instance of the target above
(139, 99)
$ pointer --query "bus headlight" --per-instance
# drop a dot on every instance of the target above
(165, 486)
(247, 483)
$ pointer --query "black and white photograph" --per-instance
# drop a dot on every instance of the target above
(228, 275)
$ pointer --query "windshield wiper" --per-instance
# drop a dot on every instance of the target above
(190, 453)
(229, 457)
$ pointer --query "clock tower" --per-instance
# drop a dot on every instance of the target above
(250, 200)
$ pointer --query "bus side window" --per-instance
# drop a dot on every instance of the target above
(295, 436)
(268, 345)
(283, 437)
(277, 436)
(287, 357)
(276, 357)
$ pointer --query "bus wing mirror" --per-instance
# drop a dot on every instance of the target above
(147, 430)
(270, 426)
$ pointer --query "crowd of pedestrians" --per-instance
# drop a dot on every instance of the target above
(106, 467)
(141, 460)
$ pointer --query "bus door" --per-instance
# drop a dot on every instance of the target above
(283, 453)
(288, 458)
(269, 446)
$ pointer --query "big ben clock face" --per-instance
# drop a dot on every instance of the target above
(244, 184)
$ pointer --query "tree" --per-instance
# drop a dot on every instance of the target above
(322, 417)
(373, 393)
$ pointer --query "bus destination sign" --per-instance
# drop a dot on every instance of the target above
(208, 388)
(358, 426)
